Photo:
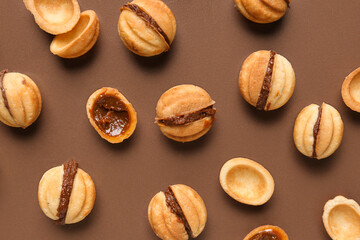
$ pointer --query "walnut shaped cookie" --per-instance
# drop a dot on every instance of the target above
(147, 27)
(318, 131)
(263, 11)
(266, 80)
(20, 99)
(66, 193)
(179, 213)
(185, 113)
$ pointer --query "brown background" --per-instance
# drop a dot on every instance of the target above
(319, 38)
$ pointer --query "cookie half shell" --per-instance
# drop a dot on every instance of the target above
(185, 113)
(318, 131)
(51, 193)
(266, 80)
(263, 11)
(178, 213)
(20, 99)
(80, 39)
(247, 181)
(54, 16)
(147, 27)
(111, 115)
(351, 90)
(341, 218)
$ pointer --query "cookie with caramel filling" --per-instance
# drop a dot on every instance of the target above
(185, 113)
(66, 193)
(318, 131)
(147, 27)
(266, 80)
(177, 213)
(111, 115)
(20, 99)
(267, 232)
(263, 11)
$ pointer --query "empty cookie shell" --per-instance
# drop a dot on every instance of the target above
(147, 27)
(111, 115)
(351, 90)
(247, 181)
(263, 11)
(318, 131)
(177, 213)
(66, 193)
(266, 80)
(55, 17)
(341, 219)
(185, 113)
(20, 99)
(267, 232)
(80, 39)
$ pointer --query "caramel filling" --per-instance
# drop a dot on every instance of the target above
(189, 117)
(265, 89)
(175, 208)
(147, 18)
(6, 103)
(70, 170)
(316, 132)
(267, 234)
(111, 115)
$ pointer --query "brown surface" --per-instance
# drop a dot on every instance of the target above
(213, 39)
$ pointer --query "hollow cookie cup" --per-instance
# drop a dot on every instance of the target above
(350, 90)
(20, 99)
(54, 17)
(318, 131)
(179, 213)
(80, 39)
(111, 115)
(341, 218)
(185, 113)
(247, 181)
(263, 11)
(266, 80)
(147, 27)
(66, 193)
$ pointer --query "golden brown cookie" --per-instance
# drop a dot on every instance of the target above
(54, 16)
(318, 131)
(247, 181)
(266, 80)
(341, 219)
(351, 90)
(20, 99)
(111, 115)
(267, 232)
(263, 11)
(147, 27)
(66, 193)
(185, 113)
(80, 39)
(179, 213)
